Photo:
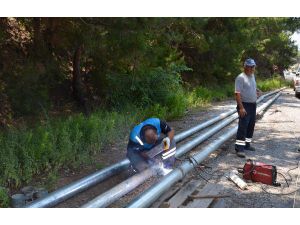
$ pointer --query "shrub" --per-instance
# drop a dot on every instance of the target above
(4, 198)
(272, 83)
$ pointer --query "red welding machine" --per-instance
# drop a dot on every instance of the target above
(260, 172)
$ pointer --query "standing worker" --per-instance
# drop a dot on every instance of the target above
(246, 94)
(144, 137)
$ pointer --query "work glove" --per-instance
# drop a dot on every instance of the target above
(166, 142)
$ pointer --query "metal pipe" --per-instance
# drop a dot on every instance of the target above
(117, 191)
(201, 126)
(80, 185)
(113, 194)
(110, 196)
(85, 183)
(149, 196)
(270, 93)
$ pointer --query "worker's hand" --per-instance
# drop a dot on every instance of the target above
(166, 142)
(259, 93)
(242, 112)
(144, 155)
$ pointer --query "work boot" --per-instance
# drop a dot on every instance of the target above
(240, 154)
(249, 148)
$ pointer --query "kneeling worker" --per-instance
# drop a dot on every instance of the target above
(146, 145)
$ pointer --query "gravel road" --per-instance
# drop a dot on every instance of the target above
(277, 140)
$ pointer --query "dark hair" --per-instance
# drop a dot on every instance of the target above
(149, 127)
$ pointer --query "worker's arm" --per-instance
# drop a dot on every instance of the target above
(242, 112)
(137, 148)
(169, 132)
(239, 83)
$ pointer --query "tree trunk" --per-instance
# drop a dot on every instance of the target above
(36, 35)
(79, 89)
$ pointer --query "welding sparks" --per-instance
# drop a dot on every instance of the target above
(165, 171)
(161, 170)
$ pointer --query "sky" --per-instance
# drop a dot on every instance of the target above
(296, 37)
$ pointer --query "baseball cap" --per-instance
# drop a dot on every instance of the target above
(249, 62)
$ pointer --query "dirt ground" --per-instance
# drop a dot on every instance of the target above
(276, 140)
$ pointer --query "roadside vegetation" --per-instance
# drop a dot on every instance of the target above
(70, 86)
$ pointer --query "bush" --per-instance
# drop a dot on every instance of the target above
(176, 104)
(272, 83)
(145, 87)
(4, 198)
(202, 96)
(28, 87)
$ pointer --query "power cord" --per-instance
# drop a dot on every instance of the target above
(291, 179)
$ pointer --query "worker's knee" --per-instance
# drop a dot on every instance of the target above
(138, 163)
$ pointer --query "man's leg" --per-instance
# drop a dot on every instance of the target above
(139, 163)
(250, 128)
(241, 135)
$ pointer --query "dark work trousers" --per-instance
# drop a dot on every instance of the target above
(137, 161)
(246, 127)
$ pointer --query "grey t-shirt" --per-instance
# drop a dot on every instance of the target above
(246, 86)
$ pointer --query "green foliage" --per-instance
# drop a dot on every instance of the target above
(4, 198)
(132, 55)
(203, 96)
(157, 90)
(272, 83)
(177, 104)
(51, 180)
(29, 87)
(145, 87)
(56, 144)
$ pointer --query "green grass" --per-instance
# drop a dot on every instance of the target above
(4, 198)
(272, 83)
(65, 142)
(203, 96)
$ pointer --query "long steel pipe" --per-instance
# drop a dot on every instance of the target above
(113, 194)
(108, 197)
(85, 183)
(149, 196)
(120, 190)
